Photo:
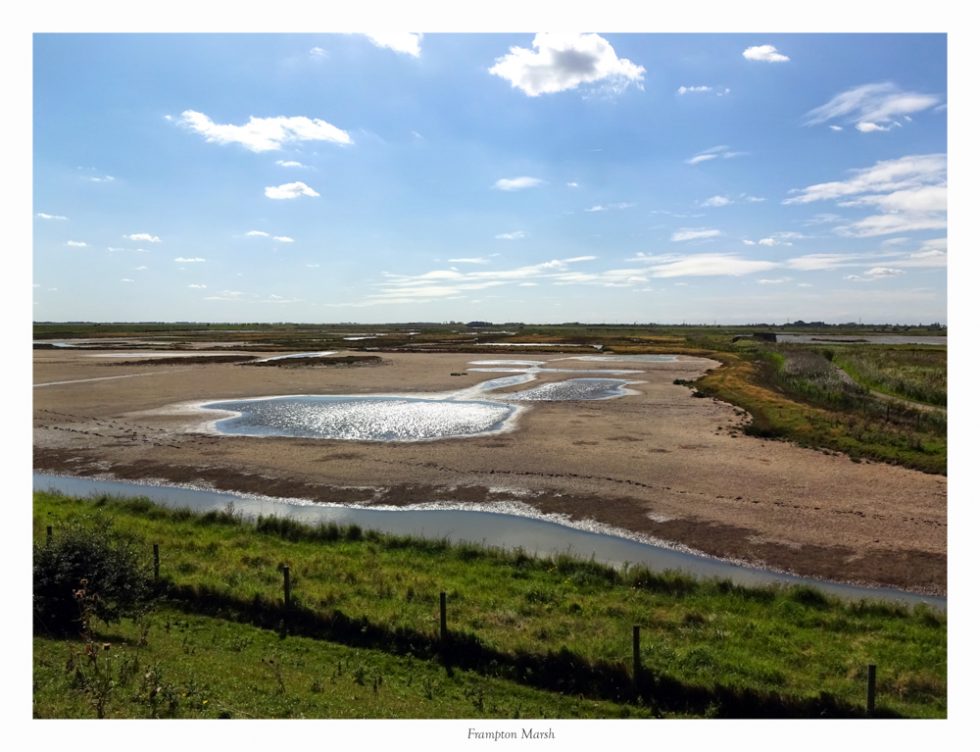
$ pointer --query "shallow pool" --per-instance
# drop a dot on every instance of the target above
(370, 418)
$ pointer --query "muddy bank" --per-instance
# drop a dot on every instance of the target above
(659, 463)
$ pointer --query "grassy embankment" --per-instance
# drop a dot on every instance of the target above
(527, 636)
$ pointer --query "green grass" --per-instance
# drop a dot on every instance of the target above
(911, 373)
(707, 645)
(796, 393)
(178, 665)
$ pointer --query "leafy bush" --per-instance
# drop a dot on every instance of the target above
(88, 571)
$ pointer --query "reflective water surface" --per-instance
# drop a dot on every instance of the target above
(372, 418)
(538, 534)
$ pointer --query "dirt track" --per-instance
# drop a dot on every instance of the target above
(660, 463)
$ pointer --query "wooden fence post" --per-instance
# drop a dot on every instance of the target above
(872, 680)
(636, 660)
(286, 597)
(443, 631)
(50, 533)
(156, 561)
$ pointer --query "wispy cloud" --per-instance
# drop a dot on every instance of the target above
(874, 274)
(517, 184)
(872, 107)
(288, 191)
(192, 260)
(563, 61)
(289, 163)
(515, 235)
(909, 194)
(764, 53)
(694, 233)
(264, 134)
(143, 237)
(318, 53)
(607, 207)
(76, 244)
(702, 265)
(715, 202)
(127, 279)
(51, 217)
(197, 287)
(720, 91)
(283, 239)
(405, 42)
(256, 234)
(101, 179)
(715, 152)
(470, 260)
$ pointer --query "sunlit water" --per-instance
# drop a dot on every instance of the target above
(520, 528)
(573, 389)
(362, 418)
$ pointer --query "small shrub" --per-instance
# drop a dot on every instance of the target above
(88, 571)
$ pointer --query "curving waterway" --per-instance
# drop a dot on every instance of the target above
(522, 528)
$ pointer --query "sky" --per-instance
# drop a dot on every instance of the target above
(537, 177)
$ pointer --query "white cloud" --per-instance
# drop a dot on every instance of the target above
(777, 281)
(198, 287)
(470, 260)
(563, 61)
(517, 184)
(871, 107)
(607, 207)
(875, 273)
(55, 217)
(815, 262)
(194, 260)
(283, 239)
(289, 163)
(256, 234)
(682, 90)
(407, 43)
(836, 128)
(140, 268)
(694, 233)
(142, 236)
(127, 279)
(715, 152)
(264, 134)
(312, 266)
(871, 127)
(716, 201)
(719, 201)
(527, 284)
(102, 179)
(76, 244)
(703, 265)
(318, 53)
(765, 53)
(909, 194)
(572, 184)
(515, 235)
(289, 191)
(777, 238)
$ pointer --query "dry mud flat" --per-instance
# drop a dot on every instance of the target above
(660, 463)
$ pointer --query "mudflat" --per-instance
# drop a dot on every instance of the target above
(660, 463)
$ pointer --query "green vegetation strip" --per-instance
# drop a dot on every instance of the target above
(560, 624)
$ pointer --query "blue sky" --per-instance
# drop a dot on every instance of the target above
(671, 178)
